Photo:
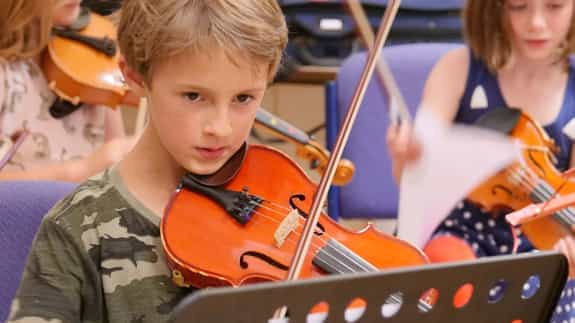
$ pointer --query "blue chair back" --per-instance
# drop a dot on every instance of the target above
(22, 207)
(373, 193)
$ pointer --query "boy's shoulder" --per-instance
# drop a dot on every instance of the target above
(92, 191)
(92, 203)
(100, 209)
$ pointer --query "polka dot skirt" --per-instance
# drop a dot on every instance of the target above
(492, 236)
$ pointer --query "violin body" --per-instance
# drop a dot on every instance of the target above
(79, 73)
(534, 179)
(206, 246)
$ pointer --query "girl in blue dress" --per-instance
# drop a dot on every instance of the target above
(518, 55)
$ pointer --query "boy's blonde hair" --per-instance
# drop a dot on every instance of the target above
(25, 27)
(152, 31)
(486, 30)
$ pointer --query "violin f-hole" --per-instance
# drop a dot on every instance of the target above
(320, 228)
(272, 262)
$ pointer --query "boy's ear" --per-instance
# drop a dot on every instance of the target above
(132, 78)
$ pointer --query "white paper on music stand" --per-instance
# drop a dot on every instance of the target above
(454, 160)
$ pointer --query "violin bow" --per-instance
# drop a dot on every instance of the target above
(327, 178)
(534, 212)
(9, 146)
(397, 106)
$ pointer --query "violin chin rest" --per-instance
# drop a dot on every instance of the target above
(61, 108)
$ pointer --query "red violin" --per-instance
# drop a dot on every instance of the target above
(246, 230)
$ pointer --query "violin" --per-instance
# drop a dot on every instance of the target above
(246, 230)
(81, 66)
(534, 179)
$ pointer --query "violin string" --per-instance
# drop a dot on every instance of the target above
(544, 192)
(320, 238)
(525, 178)
(277, 221)
(282, 215)
(364, 263)
(316, 248)
(265, 216)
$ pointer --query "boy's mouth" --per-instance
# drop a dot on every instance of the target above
(211, 153)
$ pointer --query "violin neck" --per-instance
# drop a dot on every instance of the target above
(281, 127)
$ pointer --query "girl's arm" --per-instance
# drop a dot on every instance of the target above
(445, 85)
(114, 124)
(75, 170)
(441, 95)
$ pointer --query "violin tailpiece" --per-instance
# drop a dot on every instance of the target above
(240, 205)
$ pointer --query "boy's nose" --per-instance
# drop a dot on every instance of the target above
(219, 123)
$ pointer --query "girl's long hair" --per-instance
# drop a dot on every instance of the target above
(25, 27)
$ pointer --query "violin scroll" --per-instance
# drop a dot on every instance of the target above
(307, 148)
(319, 157)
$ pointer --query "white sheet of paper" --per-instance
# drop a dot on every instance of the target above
(454, 160)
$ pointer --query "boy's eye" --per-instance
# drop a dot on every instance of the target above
(516, 5)
(243, 98)
(192, 96)
(555, 5)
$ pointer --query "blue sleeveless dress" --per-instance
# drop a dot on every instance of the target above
(488, 235)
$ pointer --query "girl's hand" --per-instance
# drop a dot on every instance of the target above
(403, 147)
(108, 154)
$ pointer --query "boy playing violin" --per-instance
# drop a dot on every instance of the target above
(204, 66)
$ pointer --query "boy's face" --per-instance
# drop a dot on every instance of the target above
(202, 107)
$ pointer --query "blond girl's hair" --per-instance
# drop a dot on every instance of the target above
(25, 27)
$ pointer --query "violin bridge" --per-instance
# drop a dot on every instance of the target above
(288, 224)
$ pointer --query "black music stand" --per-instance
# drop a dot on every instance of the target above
(498, 294)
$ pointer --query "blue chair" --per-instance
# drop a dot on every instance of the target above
(22, 207)
(372, 193)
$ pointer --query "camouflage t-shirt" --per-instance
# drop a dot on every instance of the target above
(97, 257)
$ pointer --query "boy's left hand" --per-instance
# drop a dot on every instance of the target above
(566, 245)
